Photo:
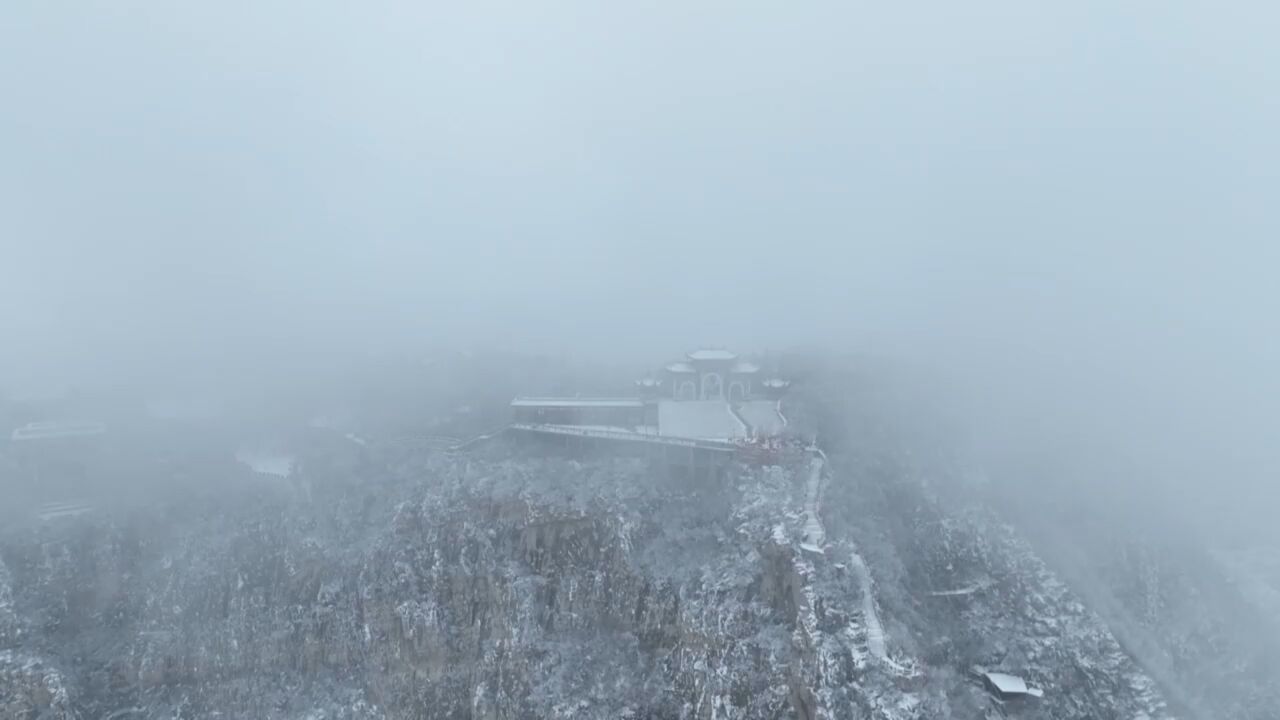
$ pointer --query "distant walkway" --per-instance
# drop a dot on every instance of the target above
(607, 433)
(57, 510)
(453, 444)
(814, 540)
(875, 631)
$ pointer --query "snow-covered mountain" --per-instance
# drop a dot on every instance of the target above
(873, 580)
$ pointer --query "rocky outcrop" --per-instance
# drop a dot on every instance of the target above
(32, 688)
(10, 630)
(503, 589)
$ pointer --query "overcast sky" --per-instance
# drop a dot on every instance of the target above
(1077, 200)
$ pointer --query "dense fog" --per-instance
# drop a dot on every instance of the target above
(1063, 214)
(1064, 211)
(1003, 275)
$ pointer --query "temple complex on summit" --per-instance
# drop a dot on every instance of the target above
(710, 395)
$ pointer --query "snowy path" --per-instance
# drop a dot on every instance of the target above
(454, 444)
(55, 510)
(814, 534)
(875, 631)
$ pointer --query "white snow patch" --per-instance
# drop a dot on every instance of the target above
(699, 419)
(763, 416)
(780, 534)
(265, 463)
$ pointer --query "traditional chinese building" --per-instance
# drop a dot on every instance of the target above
(710, 375)
(711, 394)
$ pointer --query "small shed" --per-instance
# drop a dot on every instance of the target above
(1009, 687)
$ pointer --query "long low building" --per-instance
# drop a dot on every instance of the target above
(611, 412)
(55, 430)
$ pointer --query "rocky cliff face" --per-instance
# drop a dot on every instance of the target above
(506, 585)
(501, 588)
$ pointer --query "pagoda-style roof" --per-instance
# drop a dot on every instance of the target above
(712, 354)
(680, 367)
